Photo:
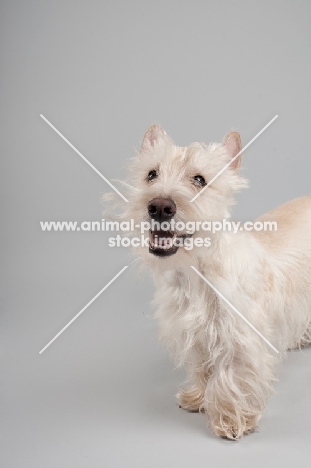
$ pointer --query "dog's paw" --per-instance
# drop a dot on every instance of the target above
(191, 399)
(232, 430)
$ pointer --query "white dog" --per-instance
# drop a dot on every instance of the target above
(266, 276)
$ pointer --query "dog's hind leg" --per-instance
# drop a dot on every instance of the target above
(305, 339)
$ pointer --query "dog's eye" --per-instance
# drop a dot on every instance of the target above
(152, 175)
(199, 180)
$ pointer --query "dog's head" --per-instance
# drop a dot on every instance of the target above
(164, 180)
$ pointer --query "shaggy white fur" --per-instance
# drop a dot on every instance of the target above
(265, 275)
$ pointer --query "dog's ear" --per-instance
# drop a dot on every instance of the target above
(232, 143)
(153, 136)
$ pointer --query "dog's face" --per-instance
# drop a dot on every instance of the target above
(165, 178)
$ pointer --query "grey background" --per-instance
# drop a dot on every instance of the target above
(102, 71)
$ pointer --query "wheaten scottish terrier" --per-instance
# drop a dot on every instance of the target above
(266, 276)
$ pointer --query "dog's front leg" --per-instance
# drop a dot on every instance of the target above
(192, 398)
(238, 389)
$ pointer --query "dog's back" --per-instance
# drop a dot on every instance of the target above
(293, 227)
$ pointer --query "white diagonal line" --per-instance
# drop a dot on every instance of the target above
(83, 157)
(84, 308)
(233, 159)
(235, 310)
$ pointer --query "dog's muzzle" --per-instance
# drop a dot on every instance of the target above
(161, 243)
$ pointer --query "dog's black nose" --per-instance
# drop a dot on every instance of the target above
(161, 209)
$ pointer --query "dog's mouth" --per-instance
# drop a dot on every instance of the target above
(165, 243)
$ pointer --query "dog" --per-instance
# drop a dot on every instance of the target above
(265, 275)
